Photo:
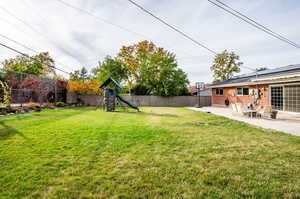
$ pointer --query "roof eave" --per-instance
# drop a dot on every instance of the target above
(251, 83)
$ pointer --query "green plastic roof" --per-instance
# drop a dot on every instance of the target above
(108, 81)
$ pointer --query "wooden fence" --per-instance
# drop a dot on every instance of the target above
(96, 100)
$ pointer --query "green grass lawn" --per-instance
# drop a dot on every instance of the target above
(157, 153)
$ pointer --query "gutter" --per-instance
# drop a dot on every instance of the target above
(259, 82)
(276, 78)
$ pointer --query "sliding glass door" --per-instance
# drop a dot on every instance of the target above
(277, 97)
(285, 98)
(292, 98)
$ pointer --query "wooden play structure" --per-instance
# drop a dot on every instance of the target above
(111, 95)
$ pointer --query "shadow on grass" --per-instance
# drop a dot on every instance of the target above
(208, 123)
(84, 108)
(40, 118)
(9, 131)
(149, 114)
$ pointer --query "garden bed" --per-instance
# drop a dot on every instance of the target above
(29, 107)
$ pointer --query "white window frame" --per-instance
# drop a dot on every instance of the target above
(222, 92)
(242, 91)
(284, 97)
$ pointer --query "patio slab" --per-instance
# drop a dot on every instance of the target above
(285, 122)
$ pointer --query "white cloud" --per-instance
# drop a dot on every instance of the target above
(77, 39)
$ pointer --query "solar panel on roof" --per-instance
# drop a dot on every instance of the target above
(247, 77)
(271, 71)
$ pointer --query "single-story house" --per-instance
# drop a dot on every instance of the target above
(279, 87)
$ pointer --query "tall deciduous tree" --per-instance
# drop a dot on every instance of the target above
(225, 65)
(111, 68)
(162, 77)
(146, 69)
(36, 65)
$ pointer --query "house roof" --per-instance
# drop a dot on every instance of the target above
(276, 75)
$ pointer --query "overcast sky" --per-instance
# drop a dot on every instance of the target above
(76, 39)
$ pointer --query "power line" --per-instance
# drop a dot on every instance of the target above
(105, 21)
(21, 53)
(19, 19)
(111, 23)
(29, 48)
(100, 19)
(172, 27)
(20, 44)
(37, 32)
(45, 22)
(253, 23)
(148, 12)
(266, 28)
(179, 31)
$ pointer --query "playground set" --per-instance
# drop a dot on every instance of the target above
(111, 96)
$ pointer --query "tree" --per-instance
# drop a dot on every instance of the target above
(111, 68)
(80, 75)
(145, 69)
(225, 64)
(85, 87)
(152, 70)
(36, 65)
(161, 76)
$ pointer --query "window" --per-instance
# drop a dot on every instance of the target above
(242, 91)
(219, 91)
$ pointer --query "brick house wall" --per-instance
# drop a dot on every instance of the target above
(230, 93)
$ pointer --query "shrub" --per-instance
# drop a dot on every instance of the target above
(140, 90)
(85, 88)
(4, 97)
(14, 109)
(60, 104)
(26, 109)
(3, 110)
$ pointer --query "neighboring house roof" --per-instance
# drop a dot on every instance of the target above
(192, 89)
(206, 92)
(277, 75)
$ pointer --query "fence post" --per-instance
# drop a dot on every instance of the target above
(10, 95)
(55, 92)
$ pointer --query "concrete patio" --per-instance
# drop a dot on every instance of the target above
(285, 122)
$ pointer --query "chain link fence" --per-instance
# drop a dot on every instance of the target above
(26, 88)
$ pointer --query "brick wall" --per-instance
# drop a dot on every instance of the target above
(230, 93)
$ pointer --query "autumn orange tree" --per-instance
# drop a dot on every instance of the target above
(85, 88)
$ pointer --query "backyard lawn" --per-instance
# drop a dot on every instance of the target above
(156, 153)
